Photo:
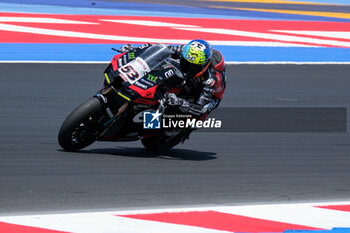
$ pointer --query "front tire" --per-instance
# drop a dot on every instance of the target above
(81, 127)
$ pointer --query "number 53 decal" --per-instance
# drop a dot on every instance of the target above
(134, 70)
(129, 73)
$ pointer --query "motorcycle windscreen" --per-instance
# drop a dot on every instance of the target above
(149, 60)
(155, 55)
(142, 73)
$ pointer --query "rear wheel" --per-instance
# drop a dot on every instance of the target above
(81, 127)
(151, 143)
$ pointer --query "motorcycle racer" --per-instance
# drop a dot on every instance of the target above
(140, 85)
(204, 71)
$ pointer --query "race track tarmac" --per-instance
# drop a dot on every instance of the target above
(212, 168)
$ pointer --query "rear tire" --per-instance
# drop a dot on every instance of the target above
(80, 128)
(150, 143)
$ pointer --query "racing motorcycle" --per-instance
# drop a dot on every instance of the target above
(135, 82)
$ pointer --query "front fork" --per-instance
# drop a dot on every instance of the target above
(114, 107)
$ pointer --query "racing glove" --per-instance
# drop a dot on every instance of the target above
(172, 100)
(183, 105)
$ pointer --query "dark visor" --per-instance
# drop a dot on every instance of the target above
(190, 70)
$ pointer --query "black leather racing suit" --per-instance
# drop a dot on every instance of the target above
(207, 89)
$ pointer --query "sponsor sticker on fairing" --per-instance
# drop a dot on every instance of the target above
(143, 86)
(169, 73)
(134, 70)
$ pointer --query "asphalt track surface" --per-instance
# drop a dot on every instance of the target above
(209, 169)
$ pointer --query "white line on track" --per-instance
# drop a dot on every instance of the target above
(328, 34)
(74, 34)
(270, 36)
(40, 20)
(294, 214)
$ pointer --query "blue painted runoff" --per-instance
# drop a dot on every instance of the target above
(103, 52)
(137, 10)
(109, 4)
(146, 9)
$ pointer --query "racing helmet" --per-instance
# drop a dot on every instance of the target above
(195, 58)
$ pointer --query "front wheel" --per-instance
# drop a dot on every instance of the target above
(81, 127)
